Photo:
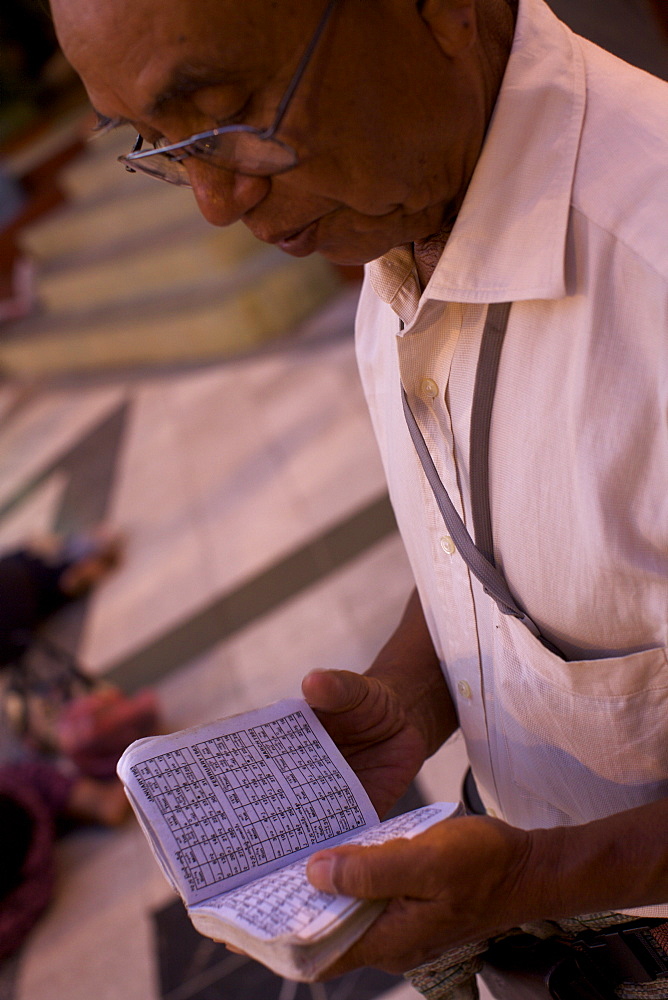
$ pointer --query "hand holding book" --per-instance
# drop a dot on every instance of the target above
(232, 811)
(454, 884)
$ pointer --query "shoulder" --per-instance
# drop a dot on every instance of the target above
(621, 180)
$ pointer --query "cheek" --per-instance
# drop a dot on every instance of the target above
(375, 179)
(345, 182)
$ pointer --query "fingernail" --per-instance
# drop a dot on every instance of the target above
(320, 872)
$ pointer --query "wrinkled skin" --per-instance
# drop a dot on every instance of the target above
(379, 164)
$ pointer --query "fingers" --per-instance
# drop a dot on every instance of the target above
(379, 872)
(401, 938)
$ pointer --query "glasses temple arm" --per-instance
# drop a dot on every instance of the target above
(299, 72)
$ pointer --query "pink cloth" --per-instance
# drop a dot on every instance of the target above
(95, 729)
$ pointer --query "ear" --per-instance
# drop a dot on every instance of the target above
(453, 23)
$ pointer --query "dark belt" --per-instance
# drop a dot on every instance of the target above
(590, 966)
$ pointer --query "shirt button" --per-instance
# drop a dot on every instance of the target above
(464, 689)
(490, 812)
(429, 388)
(448, 545)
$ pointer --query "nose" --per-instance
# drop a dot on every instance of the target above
(222, 196)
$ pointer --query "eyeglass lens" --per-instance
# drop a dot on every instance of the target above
(244, 152)
(243, 149)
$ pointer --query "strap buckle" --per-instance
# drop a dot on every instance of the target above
(626, 953)
(588, 967)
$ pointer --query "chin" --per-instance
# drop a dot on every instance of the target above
(357, 247)
(354, 254)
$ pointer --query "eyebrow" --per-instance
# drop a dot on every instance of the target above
(185, 80)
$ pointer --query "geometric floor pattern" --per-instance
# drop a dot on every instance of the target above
(195, 968)
(260, 545)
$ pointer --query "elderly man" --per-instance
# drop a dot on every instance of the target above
(507, 184)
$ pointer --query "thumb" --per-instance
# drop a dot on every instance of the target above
(378, 872)
(334, 691)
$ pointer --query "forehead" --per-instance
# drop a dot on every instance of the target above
(158, 44)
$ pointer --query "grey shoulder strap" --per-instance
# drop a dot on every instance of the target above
(480, 558)
(481, 417)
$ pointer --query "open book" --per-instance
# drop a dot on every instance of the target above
(233, 809)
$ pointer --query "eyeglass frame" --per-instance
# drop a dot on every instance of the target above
(269, 133)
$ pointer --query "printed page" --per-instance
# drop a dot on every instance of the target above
(285, 903)
(242, 797)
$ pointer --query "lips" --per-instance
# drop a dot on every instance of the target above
(300, 243)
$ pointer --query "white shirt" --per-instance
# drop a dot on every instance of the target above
(566, 216)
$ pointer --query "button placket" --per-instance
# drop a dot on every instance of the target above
(437, 352)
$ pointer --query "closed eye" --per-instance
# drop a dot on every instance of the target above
(104, 124)
(234, 119)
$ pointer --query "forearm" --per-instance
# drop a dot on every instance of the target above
(408, 663)
(610, 864)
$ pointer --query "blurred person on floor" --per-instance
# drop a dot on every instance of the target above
(39, 578)
(51, 701)
(62, 773)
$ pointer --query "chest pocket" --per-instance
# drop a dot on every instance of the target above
(589, 737)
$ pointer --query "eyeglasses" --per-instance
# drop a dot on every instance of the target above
(243, 149)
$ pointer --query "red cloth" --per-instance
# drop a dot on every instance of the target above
(43, 792)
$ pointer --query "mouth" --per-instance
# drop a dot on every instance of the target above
(300, 242)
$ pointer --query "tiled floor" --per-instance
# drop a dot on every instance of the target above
(219, 475)
(260, 545)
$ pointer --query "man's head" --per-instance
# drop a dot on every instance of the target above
(387, 121)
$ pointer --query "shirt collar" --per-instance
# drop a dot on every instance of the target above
(509, 240)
